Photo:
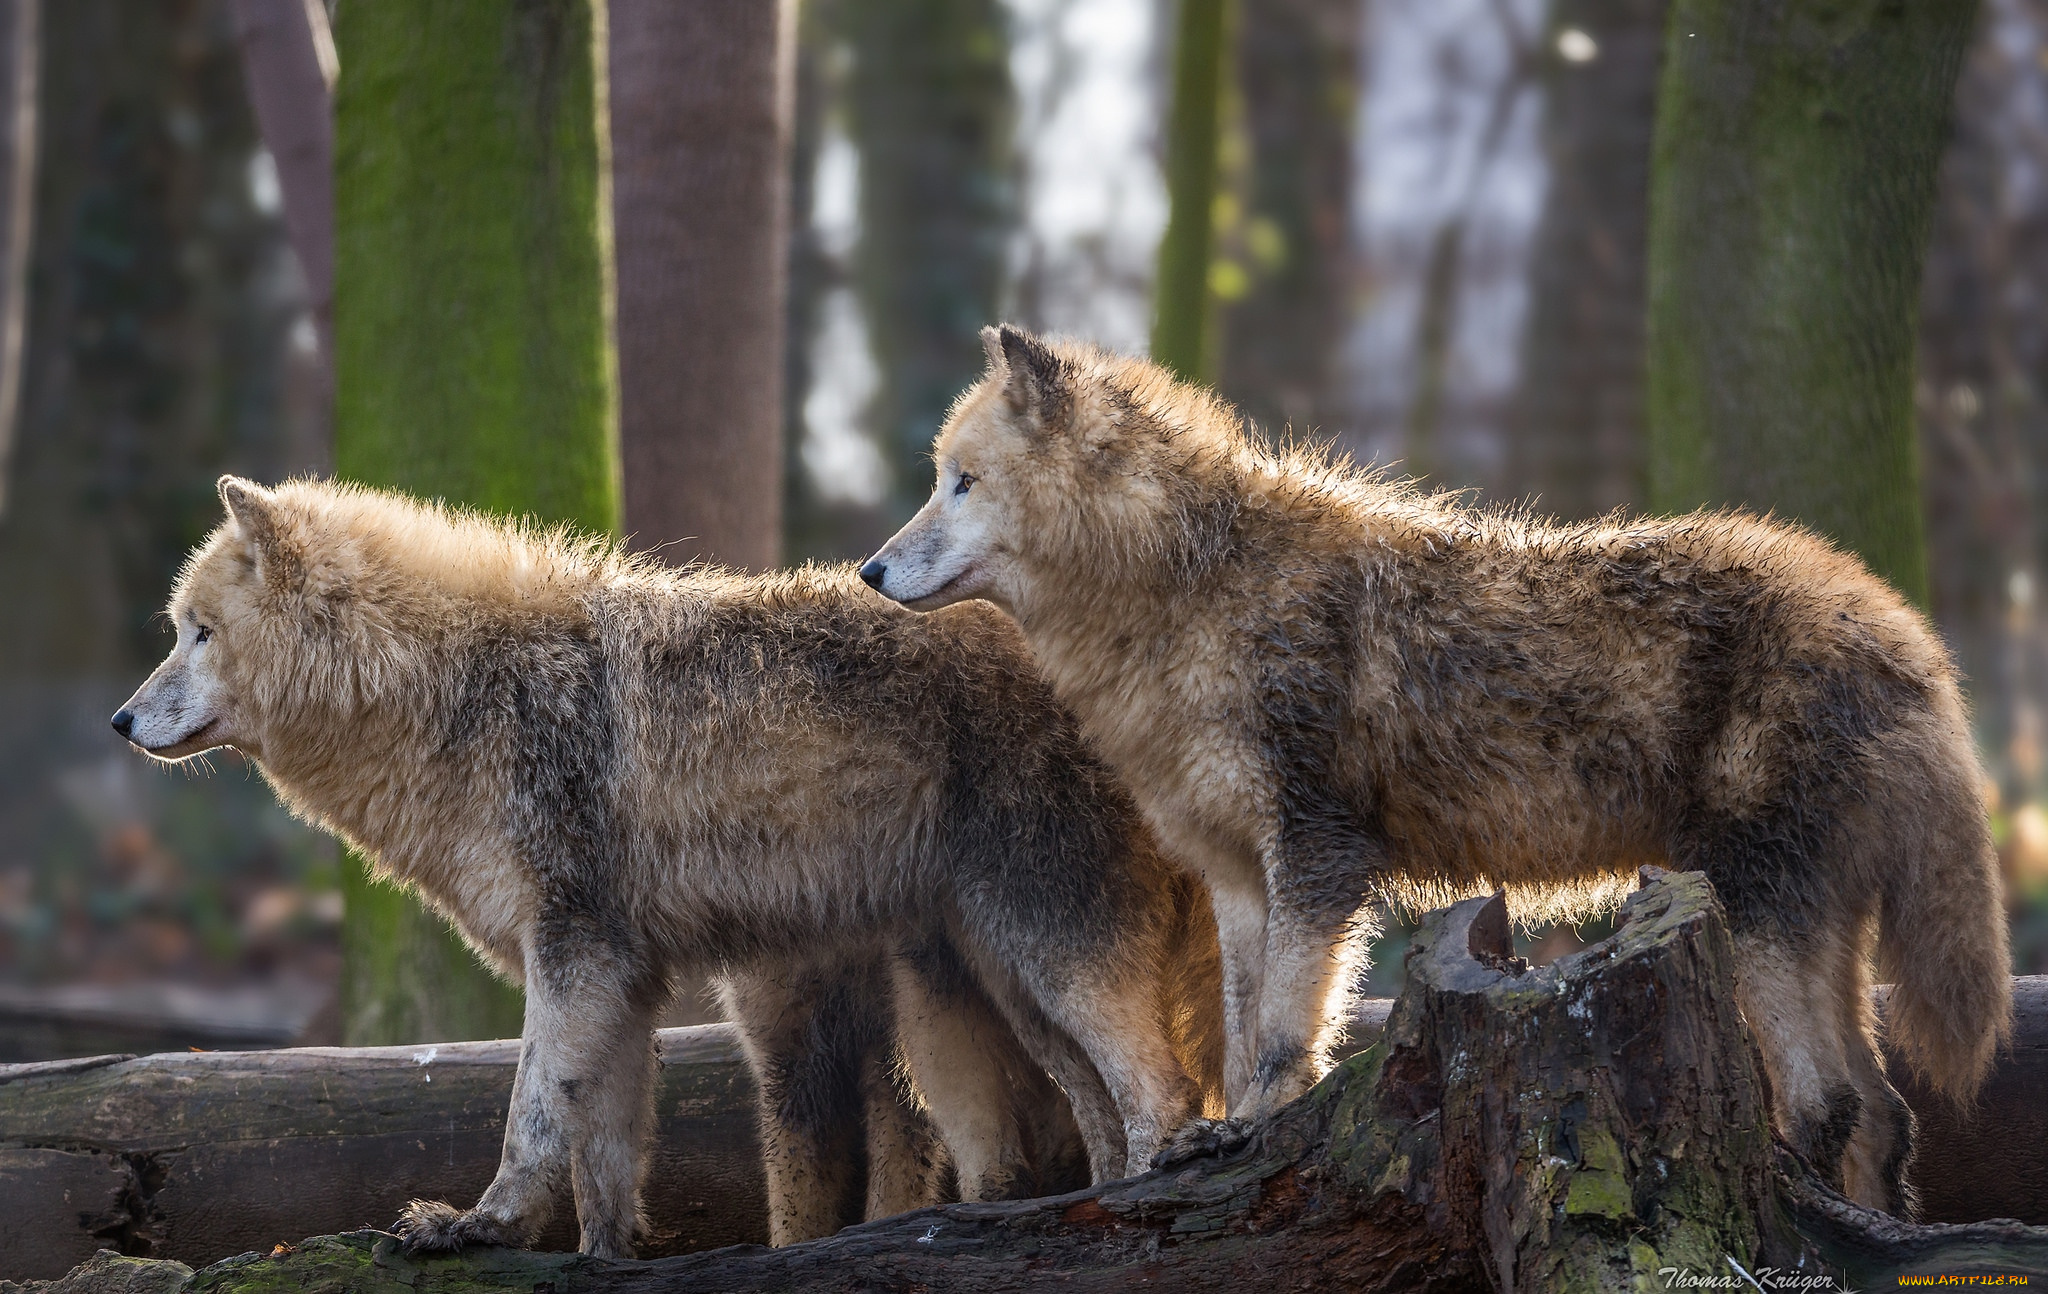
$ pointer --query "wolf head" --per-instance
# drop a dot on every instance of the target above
(311, 603)
(203, 694)
(1063, 463)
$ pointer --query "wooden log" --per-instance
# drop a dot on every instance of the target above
(1991, 1160)
(168, 1171)
(198, 1156)
(1594, 1124)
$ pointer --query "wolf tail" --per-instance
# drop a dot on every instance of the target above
(1942, 928)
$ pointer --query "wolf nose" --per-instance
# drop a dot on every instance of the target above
(124, 721)
(873, 573)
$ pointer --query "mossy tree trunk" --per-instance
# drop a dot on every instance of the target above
(472, 346)
(1183, 307)
(1792, 191)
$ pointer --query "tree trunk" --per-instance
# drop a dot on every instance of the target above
(930, 105)
(1587, 1125)
(1297, 75)
(286, 59)
(201, 1156)
(1576, 440)
(1983, 421)
(473, 356)
(1791, 195)
(700, 113)
(20, 59)
(1182, 338)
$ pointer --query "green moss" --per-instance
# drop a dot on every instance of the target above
(473, 353)
(1595, 1192)
(1183, 304)
(1791, 196)
(1598, 1150)
(366, 1262)
(471, 350)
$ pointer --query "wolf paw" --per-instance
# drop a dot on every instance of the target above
(1199, 1137)
(431, 1227)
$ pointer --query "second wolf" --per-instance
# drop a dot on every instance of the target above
(1326, 687)
(608, 774)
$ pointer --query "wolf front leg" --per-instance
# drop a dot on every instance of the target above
(1313, 931)
(579, 1112)
(1237, 895)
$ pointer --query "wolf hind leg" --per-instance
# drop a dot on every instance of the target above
(952, 1051)
(1010, 1130)
(1880, 1151)
(907, 1162)
(1790, 993)
(1109, 1016)
(1056, 1051)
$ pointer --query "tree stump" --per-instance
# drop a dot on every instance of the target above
(1597, 1124)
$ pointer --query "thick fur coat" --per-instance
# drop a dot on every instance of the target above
(609, 774)
(1325, 687)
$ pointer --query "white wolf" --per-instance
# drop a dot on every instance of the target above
(608, 774)
(1323, 687)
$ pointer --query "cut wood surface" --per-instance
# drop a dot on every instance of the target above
(200, 1156)
(1587, 1125)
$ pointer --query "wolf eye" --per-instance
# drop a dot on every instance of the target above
(204, 634)
(965, 483)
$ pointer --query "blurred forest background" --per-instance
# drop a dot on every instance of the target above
(1430, 232)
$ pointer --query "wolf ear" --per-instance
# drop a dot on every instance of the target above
(255, 513)
(1035, 381)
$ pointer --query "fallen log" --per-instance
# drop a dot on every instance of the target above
(198, 1156)
(1596, 1124)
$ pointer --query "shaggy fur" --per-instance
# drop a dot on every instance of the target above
(830, 1037)
(1325, 687)
(609, 774)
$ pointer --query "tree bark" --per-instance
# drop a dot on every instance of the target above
(930, 105)
(701, 100)
(20, 60)
(1297, 74)
(1576, 441)
(292, 90)
(1183, 307)
(1586, 1125)
(473, 352)
(1791, 195)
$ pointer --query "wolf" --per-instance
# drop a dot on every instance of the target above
(1324, 686)
(844, 1137)
(609, 774)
